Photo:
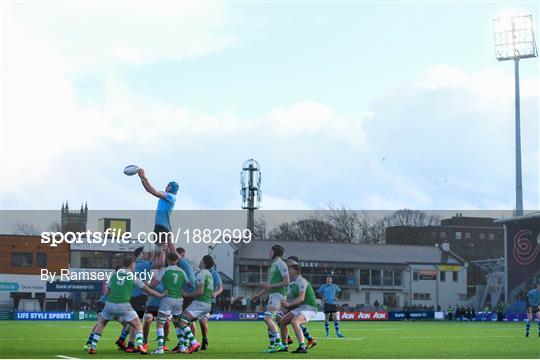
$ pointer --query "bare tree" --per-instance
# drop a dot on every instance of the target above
(54, 226)
(260, 231)
(412, 218)
(25, 228)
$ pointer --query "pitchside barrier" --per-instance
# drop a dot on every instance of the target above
(250, 316)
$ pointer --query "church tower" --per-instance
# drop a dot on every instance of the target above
(73, 220)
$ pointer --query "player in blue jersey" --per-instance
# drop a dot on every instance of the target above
(533, 308)
(165, 206)
(143, 267)
(203, 322)
(329, 293)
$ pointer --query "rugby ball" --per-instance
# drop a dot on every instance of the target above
(131, 170)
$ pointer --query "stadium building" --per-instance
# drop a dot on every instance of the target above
(471, 238)
(393, 275)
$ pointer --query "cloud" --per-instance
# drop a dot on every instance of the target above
(126, 32)
(443, 141)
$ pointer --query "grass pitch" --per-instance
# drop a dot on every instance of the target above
(421, 339)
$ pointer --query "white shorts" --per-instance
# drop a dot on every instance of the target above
(274, 301)
(119, 312)
(306, 310)
(199, 309)
(170, 306)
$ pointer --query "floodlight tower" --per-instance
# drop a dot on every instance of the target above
(250, 180)
(514, 40)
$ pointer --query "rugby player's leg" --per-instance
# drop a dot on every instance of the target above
(147, 322)
(88, 344)
(336, 325)
(182, 342)
(311, 342)
(283, 323)
(203, 322)
(273, 334)
(160, 331)
(280, 314)
(538, 318)
(97, 334)
(121, 341)
(131, 343)
(326, 323)
(296, 322)
(185, 320)
(529, 319)
(138, 334)
(166, 329)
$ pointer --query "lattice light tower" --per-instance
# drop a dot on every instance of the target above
(250, 180)
(514, 40)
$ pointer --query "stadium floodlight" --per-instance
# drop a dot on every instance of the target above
(514, 37)
(250, 181)
(514, 40)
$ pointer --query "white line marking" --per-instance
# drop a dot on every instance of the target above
(65, 357)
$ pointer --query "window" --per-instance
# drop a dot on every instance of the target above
(428, 275)
(117, 259)
(421, 296)
(482, 236)
(375, 277)
(388, 278)
(415, 276)
(458, 235)
(491, 236)
(346, 296)
(443, 234)
(41, 260)
(21, 259)
(368, 297)
(455, 276)
(467, 236)
(443, 275)
(364, 277)
(397, 277)
(95, 260)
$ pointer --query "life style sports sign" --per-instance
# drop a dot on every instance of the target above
(22, 315)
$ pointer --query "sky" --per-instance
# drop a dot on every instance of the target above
(367, 105)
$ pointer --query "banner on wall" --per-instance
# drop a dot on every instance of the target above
(363, 315)
(522, 242)
(23, 315)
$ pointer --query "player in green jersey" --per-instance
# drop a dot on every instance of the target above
(200, 306)
(173, 280)
(303, 305)
(311, 342)
(118, 307)
(276, 287)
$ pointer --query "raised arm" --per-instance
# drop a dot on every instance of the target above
(148, 187)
